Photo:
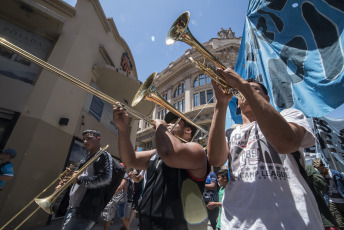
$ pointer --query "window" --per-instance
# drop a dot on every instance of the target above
(210, 98)
(201, 80)
(165, 96)
(195, 84)
(203, 97)
(161, 114)
(180, 89)
(180, 105)
(196, 102)
(208, 80)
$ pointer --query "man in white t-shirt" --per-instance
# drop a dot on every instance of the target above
(266, 189)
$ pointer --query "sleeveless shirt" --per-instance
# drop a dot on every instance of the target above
(161, 199)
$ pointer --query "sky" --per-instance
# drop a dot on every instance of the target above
(144, 24)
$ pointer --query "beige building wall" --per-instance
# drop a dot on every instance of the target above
(225, 48)
(84, 44)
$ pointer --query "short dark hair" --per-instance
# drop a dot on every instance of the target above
(223, 173)
(92, 131)
(265, 91)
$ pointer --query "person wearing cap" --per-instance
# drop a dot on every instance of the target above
(266, 190)
(170, 166)
(6, 167)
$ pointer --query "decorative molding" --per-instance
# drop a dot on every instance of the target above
(62, 6)
(105, 55)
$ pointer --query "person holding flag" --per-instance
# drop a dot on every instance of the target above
(266, 190)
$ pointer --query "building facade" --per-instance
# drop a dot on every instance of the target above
(187, 88)
(43, 116)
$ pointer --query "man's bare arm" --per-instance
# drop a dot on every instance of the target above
(176, 154)
(283, 136)
(218, 150)
(129, 157)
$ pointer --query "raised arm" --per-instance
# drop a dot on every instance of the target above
(283, 136)
(218, 150)
(129, 157)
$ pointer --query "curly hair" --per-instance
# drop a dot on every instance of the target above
(317, 163)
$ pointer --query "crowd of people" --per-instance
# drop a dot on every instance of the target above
(267, 184)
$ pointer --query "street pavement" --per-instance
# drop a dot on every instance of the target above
(116, 224)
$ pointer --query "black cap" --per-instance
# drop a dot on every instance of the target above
(171, 116)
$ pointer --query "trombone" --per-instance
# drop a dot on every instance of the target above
(69, 78)
(47, 203)
(179, 31)
(157, 98)
(147, 91)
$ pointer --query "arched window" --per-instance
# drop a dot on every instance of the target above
(179, 90)
(201, 79)
(195, 84)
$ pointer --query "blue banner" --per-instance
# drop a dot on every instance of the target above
(295, 48)
(329, 134)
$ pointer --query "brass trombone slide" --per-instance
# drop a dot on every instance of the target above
(92, 90)
(69, 78)
(47, 203)
(179, 31)
(44, 190)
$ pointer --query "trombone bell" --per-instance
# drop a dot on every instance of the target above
(147, 91)
(46, 203)
(178, 28)
(143, 90)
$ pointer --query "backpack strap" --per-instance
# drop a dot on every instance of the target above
(297, 158)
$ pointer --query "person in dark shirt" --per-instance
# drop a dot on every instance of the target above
(93, 189)
(174, 171)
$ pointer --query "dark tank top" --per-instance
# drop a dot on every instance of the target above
(161, 203)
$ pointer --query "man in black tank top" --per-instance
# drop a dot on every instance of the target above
(176, 173)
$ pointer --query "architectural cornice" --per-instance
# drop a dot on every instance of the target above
(62, 6)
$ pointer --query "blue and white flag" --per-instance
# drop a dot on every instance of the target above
(295, 48)
(329, 134)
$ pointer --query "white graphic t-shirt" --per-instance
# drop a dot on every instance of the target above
(266, 189)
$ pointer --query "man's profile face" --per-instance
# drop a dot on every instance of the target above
(90, 141)
(258, 89)
(178, 128)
